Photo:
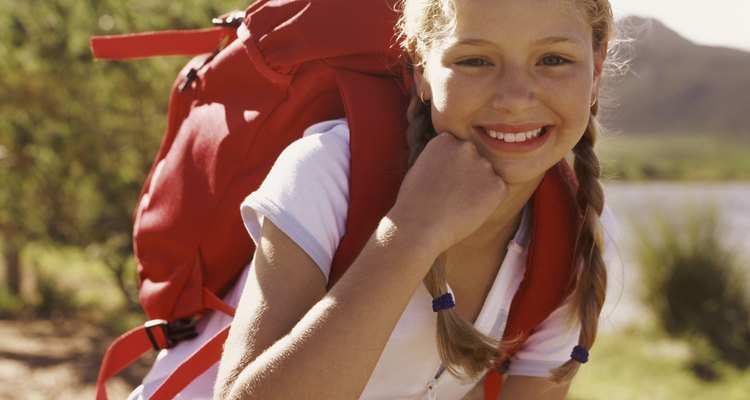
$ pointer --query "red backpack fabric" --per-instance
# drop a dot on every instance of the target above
(290, 64)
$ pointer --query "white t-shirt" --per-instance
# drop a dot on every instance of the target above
(306, 196)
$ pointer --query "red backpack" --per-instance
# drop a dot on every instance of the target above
(286, 65)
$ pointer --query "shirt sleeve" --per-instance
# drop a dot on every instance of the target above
(306, 193)
(552, 342)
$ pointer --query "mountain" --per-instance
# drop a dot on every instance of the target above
(676, 86)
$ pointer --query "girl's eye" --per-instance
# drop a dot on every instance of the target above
(551, 61)
(473, 62)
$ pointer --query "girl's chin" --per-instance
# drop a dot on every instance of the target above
(517, 175)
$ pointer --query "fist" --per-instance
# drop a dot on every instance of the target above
(448, 193)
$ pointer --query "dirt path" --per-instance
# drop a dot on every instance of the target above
(40, 359)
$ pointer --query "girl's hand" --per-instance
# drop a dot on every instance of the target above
(448, 193)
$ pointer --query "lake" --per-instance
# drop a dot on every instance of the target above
(636, 204)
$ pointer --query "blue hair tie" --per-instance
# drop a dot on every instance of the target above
(580, 354)
(443, 302)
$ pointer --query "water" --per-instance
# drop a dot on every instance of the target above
(635, 205)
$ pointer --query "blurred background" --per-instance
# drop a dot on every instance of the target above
(78, 136)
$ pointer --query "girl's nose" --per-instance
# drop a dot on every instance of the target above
(514, 90)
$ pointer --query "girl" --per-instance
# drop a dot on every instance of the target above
(504, 89)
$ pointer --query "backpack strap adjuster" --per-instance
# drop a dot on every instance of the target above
(163, 335)
(169, 334)
(231, 20)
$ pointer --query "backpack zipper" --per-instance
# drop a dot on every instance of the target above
(431, 392)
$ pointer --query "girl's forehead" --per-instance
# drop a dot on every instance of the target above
(513, 9)
(519, 20)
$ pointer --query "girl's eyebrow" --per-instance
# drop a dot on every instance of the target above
(474, 42)
(555, 40)
(542, 42)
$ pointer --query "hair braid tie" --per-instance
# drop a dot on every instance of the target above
(443, 302)
(580, 354)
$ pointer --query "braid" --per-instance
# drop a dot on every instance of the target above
(463, 349)
(420, 129)
(592, 282)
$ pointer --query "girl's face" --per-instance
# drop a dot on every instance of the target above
(517, 78)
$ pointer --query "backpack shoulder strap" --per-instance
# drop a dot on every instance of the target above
(550, 265)
(192, 367)
(168, 43)
(164, 43)
(133, 344)
(378, 146)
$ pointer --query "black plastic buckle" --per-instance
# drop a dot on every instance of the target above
(232, 19)
(160, 323)
(174, 332)
(192, 73)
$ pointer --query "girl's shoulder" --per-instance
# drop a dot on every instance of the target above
(306, 193)
(330, 137)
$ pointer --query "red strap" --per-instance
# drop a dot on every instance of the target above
(133, 344)
(190, 369)
(123, 352)
(210, 300)
(202, 359)
(165, 43)
(493, 385)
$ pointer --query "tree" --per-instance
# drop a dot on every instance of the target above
(78, 136)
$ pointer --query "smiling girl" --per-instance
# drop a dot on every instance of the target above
(504, 90)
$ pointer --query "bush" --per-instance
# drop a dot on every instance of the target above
(10, 304)
(694, 283)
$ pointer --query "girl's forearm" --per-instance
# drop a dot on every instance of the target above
(331, 352)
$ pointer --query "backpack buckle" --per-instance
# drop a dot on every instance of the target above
(169, 334)
(232, 19)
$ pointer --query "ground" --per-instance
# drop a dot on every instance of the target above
(42, 359)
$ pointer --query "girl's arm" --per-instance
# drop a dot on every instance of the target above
(331, 351)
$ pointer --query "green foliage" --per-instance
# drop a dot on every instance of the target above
(77, 136)
(695, 286)
(644, 363)
(76, 284)
(664, 156)
(10, 304)
(54, 301)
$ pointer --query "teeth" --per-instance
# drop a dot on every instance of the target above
(514, 137)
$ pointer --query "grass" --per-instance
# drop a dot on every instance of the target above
(643, 363)
(696, 300)
(674, 157)
(60, 282)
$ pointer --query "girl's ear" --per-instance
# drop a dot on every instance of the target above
(600, 56)
(421, 85)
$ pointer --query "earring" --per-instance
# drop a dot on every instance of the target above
(593, 103)
(421, 97)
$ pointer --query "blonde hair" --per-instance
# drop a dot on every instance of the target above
(463, 349)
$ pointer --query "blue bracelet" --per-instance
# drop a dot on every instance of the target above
(443, 302)
(580, 354)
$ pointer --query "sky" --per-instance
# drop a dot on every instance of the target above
(709, 22)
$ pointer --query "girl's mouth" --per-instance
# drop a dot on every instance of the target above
(518, 137)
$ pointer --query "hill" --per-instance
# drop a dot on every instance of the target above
(676, 86)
